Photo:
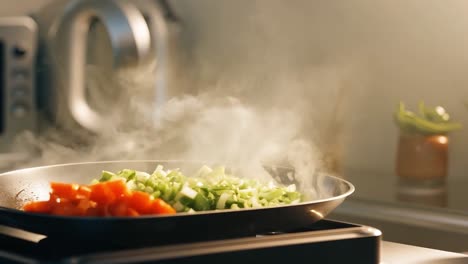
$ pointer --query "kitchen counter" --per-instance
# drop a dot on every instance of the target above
(406, 254)
(420, 214)
(374, 186)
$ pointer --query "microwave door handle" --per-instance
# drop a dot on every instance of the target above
(130, 41)
(159, 30)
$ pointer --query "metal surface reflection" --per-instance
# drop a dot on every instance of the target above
(316, 213)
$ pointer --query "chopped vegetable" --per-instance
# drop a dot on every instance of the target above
(208, 189)
(110, 198)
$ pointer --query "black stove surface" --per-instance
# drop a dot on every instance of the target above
(325, 241)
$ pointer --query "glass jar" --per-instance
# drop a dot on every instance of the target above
(422, 157)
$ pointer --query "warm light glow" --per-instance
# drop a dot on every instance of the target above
(442, 139)
(440, 110)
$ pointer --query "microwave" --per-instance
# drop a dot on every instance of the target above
(52, 63)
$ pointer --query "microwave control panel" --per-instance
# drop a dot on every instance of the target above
(18, 52)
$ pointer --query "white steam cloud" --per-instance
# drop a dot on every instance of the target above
(202, 128)
(241, 101)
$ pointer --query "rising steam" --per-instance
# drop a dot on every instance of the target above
(252, 106)
(202, 128)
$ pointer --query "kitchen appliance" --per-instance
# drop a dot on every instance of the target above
(325, 241)
(60, 66)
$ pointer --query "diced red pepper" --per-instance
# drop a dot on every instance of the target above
(38, 207)
(65, 190)
(102, 194)
(111, 198)
(141, 202)
(132, 212)
(118, 208)
(161, 207)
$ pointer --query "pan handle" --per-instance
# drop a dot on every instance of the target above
(129, 38)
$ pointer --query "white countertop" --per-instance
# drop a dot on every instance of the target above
(395, 253)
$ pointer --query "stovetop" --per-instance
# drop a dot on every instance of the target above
(325, 241)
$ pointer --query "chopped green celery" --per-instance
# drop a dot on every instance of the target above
(220, 192)
(253, 202)
(233, 199)
(178, 206)
(274, 201)
(209, 189)
(201, 203)
(131, 185)
(151, 183)
(148, 189)
(185, 201)
(216, 174)
(211, 196)
(177, 186)
(294, 196)
(189, 210)
(106, 176)
(203, 171)
(222, 200)
(173, 175)
(159, 171)
(142, 176)
(272, 194)
(141, 186)
(163, 187)
(127, 174)
(115, 177)
(188, 192)
(156, 194)
(166, 192)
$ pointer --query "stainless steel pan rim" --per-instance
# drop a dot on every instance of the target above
(350, 187)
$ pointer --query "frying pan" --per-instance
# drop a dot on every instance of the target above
(20, 186)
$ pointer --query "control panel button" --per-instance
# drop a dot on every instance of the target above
(20, 75)
(20, 110)
(19, 52)
(19, 92)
